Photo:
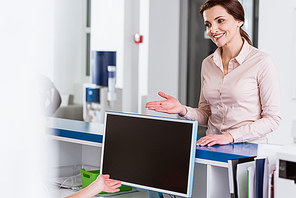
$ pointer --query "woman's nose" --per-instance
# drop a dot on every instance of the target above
(213, 28)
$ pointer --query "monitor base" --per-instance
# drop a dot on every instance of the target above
(153, 194)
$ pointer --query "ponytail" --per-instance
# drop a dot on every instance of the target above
(245, 35)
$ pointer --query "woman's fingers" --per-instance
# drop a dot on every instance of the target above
(157, 107)
(203, 141)
(152, 105)
(212, 139)
(161, 94)
(158, 104)
(208, 140)
(114, 183)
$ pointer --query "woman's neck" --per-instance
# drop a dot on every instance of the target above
(232, 49)
(229, 51)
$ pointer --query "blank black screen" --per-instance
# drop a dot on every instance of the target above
(148, 152)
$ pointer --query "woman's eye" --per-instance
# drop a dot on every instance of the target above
(207, 25)
(220, 20)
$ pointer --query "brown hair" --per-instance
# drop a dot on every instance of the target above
(233, 7)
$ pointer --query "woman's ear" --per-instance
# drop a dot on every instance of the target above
(240, 24)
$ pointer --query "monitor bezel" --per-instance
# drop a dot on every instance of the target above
(192, 152)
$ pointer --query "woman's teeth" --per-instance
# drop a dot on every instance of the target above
(218, 36)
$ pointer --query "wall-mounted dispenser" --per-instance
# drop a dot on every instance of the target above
(101, 94)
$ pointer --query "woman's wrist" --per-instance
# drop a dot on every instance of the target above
(184, 111)
(230, 137)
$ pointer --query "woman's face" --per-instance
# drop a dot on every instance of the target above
(221, 27)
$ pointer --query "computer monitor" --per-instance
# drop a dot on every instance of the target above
(151, 153)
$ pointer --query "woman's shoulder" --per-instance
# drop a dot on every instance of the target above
(211, 57)
(208, 58)
(262, 61)
(255, 53)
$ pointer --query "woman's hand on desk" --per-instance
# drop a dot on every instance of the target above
(212, 139)
(171, 105)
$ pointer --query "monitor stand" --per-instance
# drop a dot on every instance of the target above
(153, 194)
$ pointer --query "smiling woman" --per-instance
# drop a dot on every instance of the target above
(240, 96)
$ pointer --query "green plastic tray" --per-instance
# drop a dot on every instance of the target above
(87, 177)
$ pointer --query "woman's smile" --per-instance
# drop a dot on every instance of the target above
(218, 36)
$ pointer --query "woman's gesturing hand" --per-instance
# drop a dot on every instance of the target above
(171, 105)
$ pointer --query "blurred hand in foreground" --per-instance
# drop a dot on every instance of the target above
(101, 184)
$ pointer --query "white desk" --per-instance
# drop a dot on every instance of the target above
(83, 140)
(60, 193)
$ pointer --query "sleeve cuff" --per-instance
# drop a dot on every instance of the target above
(183, 116)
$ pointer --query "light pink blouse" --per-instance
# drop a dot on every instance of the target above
(245, 102)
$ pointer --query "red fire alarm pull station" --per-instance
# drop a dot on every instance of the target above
(138, 38)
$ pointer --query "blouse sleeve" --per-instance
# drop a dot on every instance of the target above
(269, 93)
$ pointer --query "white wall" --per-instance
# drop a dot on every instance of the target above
(131, 57)
(159, 52)
(143, 53)
(277, 37)
(163, 53)
(69, 47)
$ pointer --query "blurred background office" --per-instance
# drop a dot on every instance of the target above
(57, 38)
(169, 58)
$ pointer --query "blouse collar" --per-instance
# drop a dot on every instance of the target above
(239, 58)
